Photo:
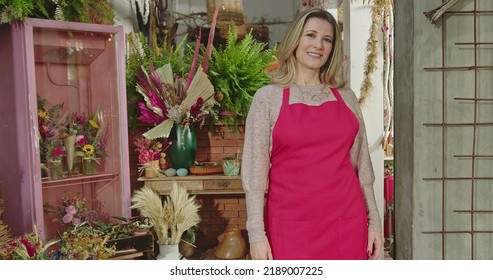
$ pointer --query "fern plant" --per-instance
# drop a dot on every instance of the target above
(11, 10)
(237, 71)
(91, 11)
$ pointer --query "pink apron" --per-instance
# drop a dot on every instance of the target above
(315, 207)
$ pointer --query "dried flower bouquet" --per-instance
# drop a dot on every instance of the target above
(171, 218)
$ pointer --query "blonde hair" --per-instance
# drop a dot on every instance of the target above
(330, 72)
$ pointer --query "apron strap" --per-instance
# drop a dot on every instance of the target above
(336, 94)
(285, 96)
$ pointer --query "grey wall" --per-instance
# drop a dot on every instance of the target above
(423, 151)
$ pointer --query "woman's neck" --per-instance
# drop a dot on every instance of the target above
(307, 79)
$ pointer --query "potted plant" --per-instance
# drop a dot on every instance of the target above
(169, 219)
(140, 227)
(91, 11)
(187, 242)
(231, 166)
(237, 71)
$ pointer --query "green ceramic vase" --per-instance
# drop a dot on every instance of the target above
(182, 151)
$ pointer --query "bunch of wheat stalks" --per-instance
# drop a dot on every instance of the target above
(170, 218)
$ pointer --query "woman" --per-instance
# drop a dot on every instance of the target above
(305, 145)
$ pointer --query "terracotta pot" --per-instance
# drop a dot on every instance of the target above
(186, 249)
(231, 246)
(140, 232)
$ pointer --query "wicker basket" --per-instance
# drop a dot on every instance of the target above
(206, 168)
(231, 11)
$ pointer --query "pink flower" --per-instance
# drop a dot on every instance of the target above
(70, 210)
(76, 221)
(67, 218)
(195, 109)
(80, 140)
(58, 151)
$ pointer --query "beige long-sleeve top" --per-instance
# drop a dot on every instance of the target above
(260, 123)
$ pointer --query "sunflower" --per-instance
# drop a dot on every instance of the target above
(94, 124)
(88, 149)
(43, 115)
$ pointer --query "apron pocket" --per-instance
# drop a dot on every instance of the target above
(294, 240)
(352, 235)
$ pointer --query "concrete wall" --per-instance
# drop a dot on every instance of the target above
(425, 208)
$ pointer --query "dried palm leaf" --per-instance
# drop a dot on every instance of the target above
(435, 14)
(161, 130)
(201, 87)
(166, 74)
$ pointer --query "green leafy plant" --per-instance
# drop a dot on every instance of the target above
(11, 10)
(238, 71)
(92, 11)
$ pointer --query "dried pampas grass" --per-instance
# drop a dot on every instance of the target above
(171, 218)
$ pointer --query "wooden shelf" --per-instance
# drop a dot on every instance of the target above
(78, 180)
(204, 185)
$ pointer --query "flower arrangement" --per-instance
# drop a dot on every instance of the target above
(72, 209)
(50, 126)
(90, 139)
(29, 246)
(150, 149)
(56, 153)
(170, 99)
(84, 242)
(171, 218)
(75, 124)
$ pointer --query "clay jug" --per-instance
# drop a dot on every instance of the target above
(231, 246)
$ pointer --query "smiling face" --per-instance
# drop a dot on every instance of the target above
(315, 44)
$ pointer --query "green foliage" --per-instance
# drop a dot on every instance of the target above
(237, 72)
(93, 11)
(11, 10)
(190, 235)
(141, 54)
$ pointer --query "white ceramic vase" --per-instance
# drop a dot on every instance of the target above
(168, 252)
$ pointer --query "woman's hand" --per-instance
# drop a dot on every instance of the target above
(375, 243)
(260, 251)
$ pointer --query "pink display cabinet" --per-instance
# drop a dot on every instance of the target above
(82, 66)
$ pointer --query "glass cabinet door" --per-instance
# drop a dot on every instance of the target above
(77, 71)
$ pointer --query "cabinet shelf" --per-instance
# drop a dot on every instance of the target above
(78, 180)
